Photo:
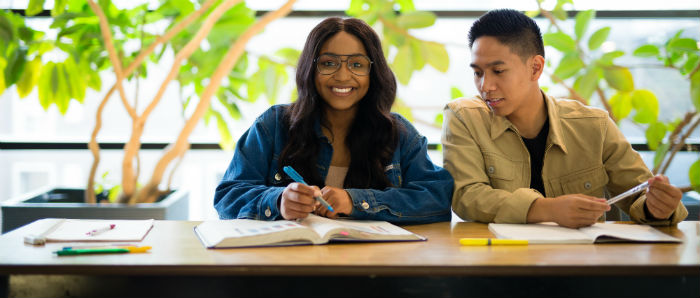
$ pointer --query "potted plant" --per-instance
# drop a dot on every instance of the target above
(97, 33)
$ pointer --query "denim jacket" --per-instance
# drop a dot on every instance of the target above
(252, 186)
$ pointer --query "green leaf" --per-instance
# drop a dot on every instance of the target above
(438, 119)
(647, 106)
(695, 90)
(76, 84)
(6, 32)
(62, 95)
(45, 88)
(355, 8)
(586, 84)
(560, 41)
(418, 54)
(655, 134)
(403, 64)
(290, 55)
(59, 6)
(29, 78)
(93, 78)
(660, 153)
(647, 50)
(34, 7)
(608, 59)
(3, 63)
(230, 104)
(15, 66)
(406, 5)
(114, 193)
(621, 104)
(569, 65)
(226, 142)
(694, 175)
(559, 13)
(597, 38)
(437, 56)
(455, 92)
(683, 45)
(255, 86)
(416, 19)
(690, 64)
(583, 19)
(619, 77)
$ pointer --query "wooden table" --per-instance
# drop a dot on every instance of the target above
(178, 265)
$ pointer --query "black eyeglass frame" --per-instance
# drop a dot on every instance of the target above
(346, 63)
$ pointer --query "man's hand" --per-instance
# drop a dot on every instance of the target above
(298, 200)
(338, 198)
(571, 211)
(662, 197)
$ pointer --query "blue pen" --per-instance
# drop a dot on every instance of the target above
(294, 175)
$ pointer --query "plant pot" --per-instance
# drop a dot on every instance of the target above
(68, 203)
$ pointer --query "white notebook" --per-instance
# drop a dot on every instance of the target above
(551, 233)
(78, 230)
(312, 230)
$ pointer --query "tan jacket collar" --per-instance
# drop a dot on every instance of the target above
(501, 124)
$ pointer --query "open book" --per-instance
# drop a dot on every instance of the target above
(87, 230)
(551, 233)
(312, 230)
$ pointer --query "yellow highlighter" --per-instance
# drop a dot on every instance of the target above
(490, 241)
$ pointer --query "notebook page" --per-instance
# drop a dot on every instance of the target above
(75, 230)
(540, 233)
(634, 232)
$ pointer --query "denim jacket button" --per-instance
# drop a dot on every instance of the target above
(491, 170)
(268, 212)
(587, 185)
(278, 177)
(365, 205)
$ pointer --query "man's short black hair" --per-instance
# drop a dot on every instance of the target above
(513, 29)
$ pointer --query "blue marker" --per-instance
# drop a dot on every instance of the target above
(292, 173)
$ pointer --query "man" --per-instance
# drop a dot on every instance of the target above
(520, 156)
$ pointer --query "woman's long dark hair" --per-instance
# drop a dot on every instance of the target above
(373, 135)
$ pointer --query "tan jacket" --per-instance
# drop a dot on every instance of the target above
(585, 153)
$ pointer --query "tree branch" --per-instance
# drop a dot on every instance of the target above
(95, 149)
(572, 92)
(672, 138)
(147, 193)
(605, 103)
(680, 144)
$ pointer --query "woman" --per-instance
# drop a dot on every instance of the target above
(340, 136)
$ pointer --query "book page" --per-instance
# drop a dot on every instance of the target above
(76, 230)
(341, 229)
(541, 233)
(247, 232)
(628, 232)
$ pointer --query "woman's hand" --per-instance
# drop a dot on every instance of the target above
(338, 198)
(298, 200)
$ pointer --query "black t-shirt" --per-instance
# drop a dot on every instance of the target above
(536, 149)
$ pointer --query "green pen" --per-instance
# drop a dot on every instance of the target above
(71, 252)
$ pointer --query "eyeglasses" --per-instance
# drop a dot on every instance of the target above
(357, 64)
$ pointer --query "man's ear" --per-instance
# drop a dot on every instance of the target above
(536, 66)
